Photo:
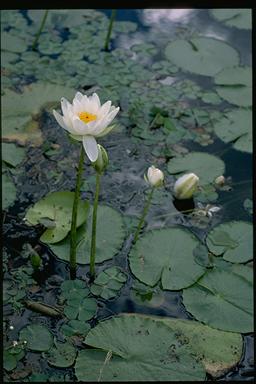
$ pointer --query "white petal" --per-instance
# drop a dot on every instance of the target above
(113, 114)
(79, 126)
(102, 126)
(104, 109)
(91, 147)
(96, 100)
(105, 131)
(79, 96)
(65, 105)
(59, 119)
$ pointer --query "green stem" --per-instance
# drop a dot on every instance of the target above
(112, 18)
(144, 213)
(40, 30)
(73, 243)
(94, 225)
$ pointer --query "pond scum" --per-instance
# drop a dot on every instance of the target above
(109, 276)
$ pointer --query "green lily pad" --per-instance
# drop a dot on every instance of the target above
(235, 85)
(19, 111)
(82, 309)
(75, 328)
(233, 240)
(71, 289)
(61, 355)
(37, 336)
(12, 155)
(57, 206)
(144, 295)
(238, 18)
(222, 299)
(11, 356)
(110, 236)
(207, 167)
(137, 349)
(236, 127)
(12, 43)
(8, 191)
(166, 255)
(202, 55)
(218, 350)
(108, 283)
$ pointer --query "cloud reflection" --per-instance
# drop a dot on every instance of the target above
(153, 16)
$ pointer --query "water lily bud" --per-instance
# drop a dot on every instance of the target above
(220, 180)
(102, 161)
(185, 186)
(155, 177)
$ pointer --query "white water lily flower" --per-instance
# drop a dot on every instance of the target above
(155, 176)
(185, 186)
(86, 119)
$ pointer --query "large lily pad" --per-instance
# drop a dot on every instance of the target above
(202, 55)
(110, 235)
(12, 43)
(223, 300)
(236, 127)
(137, 349)
(108, 283)
(233, 240)
(207, 167)
(19, 111)
(37, 336)
(166, 255)
(235, 85)
(218, 350)
(8, 191)
(57, 207)
(239, 18)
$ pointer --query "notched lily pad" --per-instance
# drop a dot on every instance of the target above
(8, 191)
(137, 349)
(233, 240)
(223, 299)
(110, 236)
(238, 18)
(61, 355)
(75, 328)
(202, 55)
(166, 255)
(12, 155)
(108, 283)
(57, 207)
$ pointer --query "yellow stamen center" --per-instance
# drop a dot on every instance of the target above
(86, 117)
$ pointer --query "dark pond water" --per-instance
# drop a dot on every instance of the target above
(123, 188)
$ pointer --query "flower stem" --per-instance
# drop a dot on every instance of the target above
(73, 243)
(40, 29)
(94, 225)
(144, 213)
(112, 18)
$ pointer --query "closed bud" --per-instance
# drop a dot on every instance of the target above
(220, 180)
(102, 161)
(155, 177)
(185, 186)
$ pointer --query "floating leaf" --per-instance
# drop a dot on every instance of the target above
(12, 154)
(12, 43)
(207, 167)
(37, 336)
(233, 240)
(11, 356)
(222, 299)
(166, 255)
(20, 109)
(218, 350)
(239, 18)
(81, 309)
(202, 55)
(144, 295)
(235, 85)
(133, 348)
(75, 327)
(236, 127)
(57, 206)
(108, 283)
(71, 289)
(110, 236)
(9, 191)
(61, 355)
